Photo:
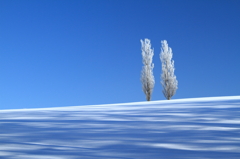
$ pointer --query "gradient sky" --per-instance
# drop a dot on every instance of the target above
(65, 52)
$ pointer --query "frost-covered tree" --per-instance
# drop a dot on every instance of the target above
(147, 77)
(168, 79)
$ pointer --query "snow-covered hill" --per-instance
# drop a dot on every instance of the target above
(199, 128)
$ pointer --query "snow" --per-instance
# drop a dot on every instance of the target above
(199, 128)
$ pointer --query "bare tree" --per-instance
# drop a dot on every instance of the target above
(169, 81)
(147, 77)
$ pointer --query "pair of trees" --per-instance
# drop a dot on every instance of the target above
(168, 79)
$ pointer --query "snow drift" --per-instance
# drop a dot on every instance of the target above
(176, 129)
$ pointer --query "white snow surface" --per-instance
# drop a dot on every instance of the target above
(198, 128)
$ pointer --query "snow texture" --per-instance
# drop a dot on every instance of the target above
(147, 77)
(200, 128)
(168, 79)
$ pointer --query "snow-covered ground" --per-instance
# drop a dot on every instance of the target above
(199, 128)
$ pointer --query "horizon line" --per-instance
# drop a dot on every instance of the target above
(200, 99)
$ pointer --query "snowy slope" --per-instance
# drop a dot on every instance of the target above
(199, 128)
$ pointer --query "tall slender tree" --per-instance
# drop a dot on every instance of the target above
(168, 79)
(147, 77)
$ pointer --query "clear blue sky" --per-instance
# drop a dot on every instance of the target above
(66, 52)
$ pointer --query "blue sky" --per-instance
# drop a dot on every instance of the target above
(63, 53)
